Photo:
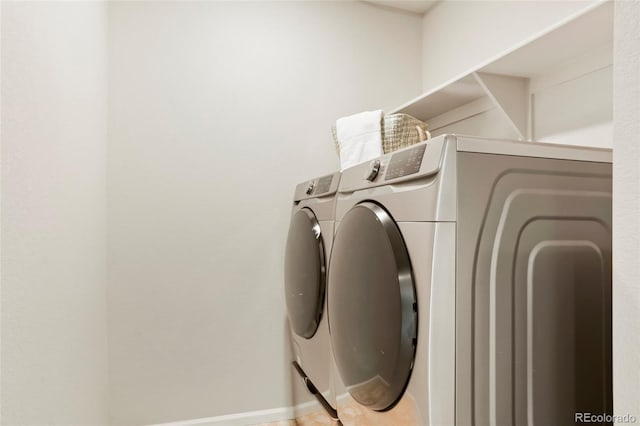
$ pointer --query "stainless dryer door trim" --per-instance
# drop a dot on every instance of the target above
(305, 273)
(372, 307)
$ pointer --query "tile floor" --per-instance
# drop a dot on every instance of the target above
(311, 419)
(403, 413)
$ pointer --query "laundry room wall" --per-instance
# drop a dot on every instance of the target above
(571, 104)
(459, 36)
(54, 135)
(216, 111)
(626, 211)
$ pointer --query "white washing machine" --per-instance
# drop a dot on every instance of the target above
(306, 259)
(470, 284)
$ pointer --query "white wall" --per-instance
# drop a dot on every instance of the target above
(217, 110)
(460, 36)
(626, 210)
(576, 111)
(54, 337)
(570, 103)
(487, 124)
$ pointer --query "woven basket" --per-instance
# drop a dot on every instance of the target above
(398, 131)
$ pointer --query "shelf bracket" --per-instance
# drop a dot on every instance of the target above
(510, 95)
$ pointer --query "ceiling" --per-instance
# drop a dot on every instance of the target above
(415, 6)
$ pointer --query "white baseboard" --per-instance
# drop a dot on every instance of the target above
(246, 418)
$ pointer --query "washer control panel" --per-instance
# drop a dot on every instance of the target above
(406, 162)
(324, 184)
(411, 163)
(319, 187)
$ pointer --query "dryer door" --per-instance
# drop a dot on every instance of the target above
(372, 307)
(304, 273)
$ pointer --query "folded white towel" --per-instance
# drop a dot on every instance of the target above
(360, 138)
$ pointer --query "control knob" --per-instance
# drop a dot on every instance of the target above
(374, 169)
(310, 187)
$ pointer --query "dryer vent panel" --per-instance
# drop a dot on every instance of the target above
(533, 301)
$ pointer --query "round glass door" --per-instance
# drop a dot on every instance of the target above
(372, 307)
(304, 273)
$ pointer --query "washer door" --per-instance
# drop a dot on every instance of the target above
(372, 307)
(304, 273)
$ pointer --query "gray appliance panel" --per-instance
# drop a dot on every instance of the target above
(320, 187)
(533, 149)
(561, 321)
(533, 251)
(416, 162)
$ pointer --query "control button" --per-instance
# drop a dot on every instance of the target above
(405, 163)
(323, 185)
(309, 189)
(374, 169)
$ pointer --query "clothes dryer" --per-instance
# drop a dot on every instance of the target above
(470, 284)
(306, 258)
